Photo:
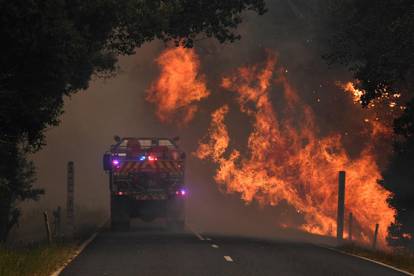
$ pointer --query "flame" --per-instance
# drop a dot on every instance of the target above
(350, 88)
(178, 87)
(391, 99)
(288, 160)
(379, 129)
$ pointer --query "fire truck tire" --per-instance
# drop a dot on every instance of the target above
(175, 215)
(176, 225)
(120, 217)
(148, 218)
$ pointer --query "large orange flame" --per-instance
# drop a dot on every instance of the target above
(178, 87)
(288, 160)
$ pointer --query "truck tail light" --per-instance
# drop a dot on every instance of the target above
(152, 158)
(181, 192)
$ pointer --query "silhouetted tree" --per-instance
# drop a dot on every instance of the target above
(375, 40)
(399, 178)
(51, 48)
(17, 178)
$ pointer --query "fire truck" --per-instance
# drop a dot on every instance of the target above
(146, 180)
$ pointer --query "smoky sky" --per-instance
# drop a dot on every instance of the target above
(117, 106)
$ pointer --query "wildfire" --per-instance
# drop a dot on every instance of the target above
(179, 85)
(389, 98)
(288, 160)
(350, 88)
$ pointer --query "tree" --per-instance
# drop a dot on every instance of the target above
(374, 40)
(399, 178)
(51, 49)
(17, 178)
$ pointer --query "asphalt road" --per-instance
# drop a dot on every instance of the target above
(156, 251)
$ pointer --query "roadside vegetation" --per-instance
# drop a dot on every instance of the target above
(27, 252)
(39, 259)
(400, 259)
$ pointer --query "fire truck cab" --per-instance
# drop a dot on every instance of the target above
(146, 180)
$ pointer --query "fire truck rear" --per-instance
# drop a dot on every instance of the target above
(146, 180)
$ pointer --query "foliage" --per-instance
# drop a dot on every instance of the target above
(51, 49)
(17, 178)
(374, 40)
(399, 178)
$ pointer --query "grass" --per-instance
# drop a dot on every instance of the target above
(41, 258)
(34, 260)
(404, 261)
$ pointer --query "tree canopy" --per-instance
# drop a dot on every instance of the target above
(375, 40)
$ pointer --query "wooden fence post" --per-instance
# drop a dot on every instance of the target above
(57, 222)
(350, 227)
(70, 202)
(47, 226)
(374, 242)
(341, 207)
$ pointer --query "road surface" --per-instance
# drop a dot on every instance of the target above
(156, 251)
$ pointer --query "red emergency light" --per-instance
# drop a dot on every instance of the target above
(152, 158)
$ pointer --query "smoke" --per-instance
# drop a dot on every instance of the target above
(118, 106)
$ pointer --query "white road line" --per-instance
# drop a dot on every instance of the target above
(208, 239)
(198, 236)
(228, 258)
(367, 259)
(78, 251)
(214, 246)
(195, 233)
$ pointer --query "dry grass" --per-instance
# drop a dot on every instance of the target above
(35, 259)
(401, 260)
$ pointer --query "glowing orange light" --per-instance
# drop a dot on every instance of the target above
(179, 86)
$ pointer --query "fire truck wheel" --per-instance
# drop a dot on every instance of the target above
(176, 225)
(175, 215)
(120, 217)
(148, 218)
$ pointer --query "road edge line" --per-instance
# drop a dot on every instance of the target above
(367, 259)
(78, 251)
(228, 259)
(198, 235)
